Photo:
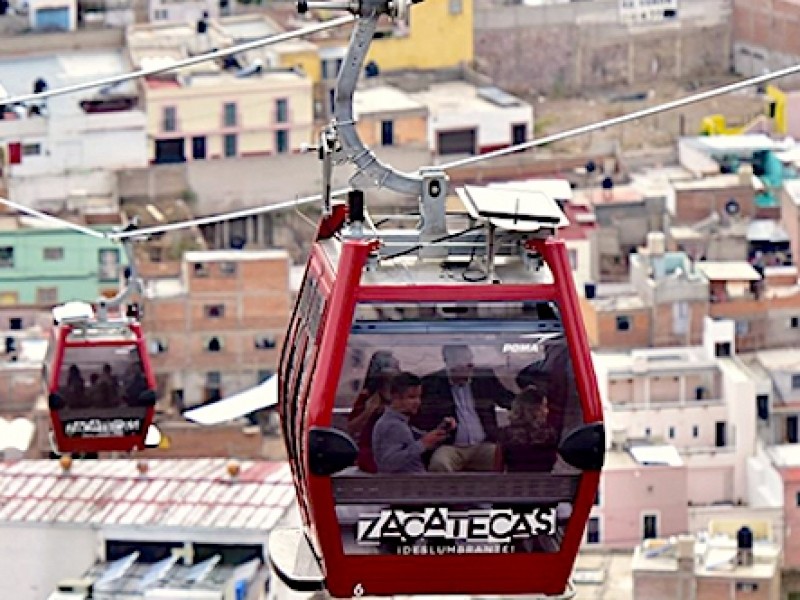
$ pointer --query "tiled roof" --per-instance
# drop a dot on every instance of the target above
(190, 493)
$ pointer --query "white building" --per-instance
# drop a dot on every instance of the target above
(68, 146)
(189, 11)
(691, 398)
(465, 119)
(55, 524)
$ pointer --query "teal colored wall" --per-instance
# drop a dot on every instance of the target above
(77, 274)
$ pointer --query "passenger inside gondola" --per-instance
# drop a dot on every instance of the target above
(74, 392)
(470, 396)
(370, 404)
(398, 447)
(135, 384)
(530, 442)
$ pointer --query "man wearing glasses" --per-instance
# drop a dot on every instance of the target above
(469, 395)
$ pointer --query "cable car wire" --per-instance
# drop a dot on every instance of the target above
(639, 114)
(186, 62)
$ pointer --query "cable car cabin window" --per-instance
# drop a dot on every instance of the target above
(297, 367)
(458, 411)
(97, 382)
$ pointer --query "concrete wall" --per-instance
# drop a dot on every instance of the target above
(583, 45)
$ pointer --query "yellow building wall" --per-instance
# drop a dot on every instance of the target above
(200, 112)
(307, 60)
(436, 40)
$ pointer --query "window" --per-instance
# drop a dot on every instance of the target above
(282, 110)
(230, 144)
(229, 114)
(387, 133)
(264, 375)
(795, 322)
(214, 344)
(720, 434)
(53, 253)
(213, 391)
(797, 499)
(695, 431)
(623, 323)
(742, 327)
(31, 149)
(456, 7)
(265, 342)
(160, 14)
(722, 349)
(330, 68)
(108, 264)
(6, 257)
(597, 498)
(748, 587)
(792, 436)
(796, 381)
(647, 432)
(671, 433)
(227, 268)
(48, 295)
(15, 323)
(214, 311)
(281, 141)
(593, 531)
(170, 116)
(200, 270)
(199, 147)
(519, 133)
(762, 406)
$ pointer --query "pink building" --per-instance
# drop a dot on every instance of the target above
(643, 494)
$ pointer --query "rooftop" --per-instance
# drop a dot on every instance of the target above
(458, 96)
(17, 76)
(196, 494)
(383, 99)
(732, 270)
(654, 360)
(234, 255)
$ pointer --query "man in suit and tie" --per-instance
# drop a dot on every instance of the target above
(469, 396)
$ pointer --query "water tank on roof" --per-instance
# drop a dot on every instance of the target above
(744, 546)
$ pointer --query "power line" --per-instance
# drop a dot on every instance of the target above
(645, 112)
(187, 62)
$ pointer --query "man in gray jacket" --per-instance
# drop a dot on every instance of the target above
(397, 447)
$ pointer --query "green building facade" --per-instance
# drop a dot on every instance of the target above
(52, 266)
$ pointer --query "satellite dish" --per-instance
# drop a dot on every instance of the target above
(732, 207)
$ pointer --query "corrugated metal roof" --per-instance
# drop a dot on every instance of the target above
(195, 493)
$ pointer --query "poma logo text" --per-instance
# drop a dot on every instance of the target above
(499, 526)
(514, 348)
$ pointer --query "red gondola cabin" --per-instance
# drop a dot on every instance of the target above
(100, 384)
(440, 406)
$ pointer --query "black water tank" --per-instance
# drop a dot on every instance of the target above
(744, 538)
(590, 290)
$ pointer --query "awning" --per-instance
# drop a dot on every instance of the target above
(262, 396)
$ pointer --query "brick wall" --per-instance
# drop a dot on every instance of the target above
(695, 205)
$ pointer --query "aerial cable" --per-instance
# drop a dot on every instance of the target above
(179, 64)
(156, 229)
(51, 219)
(639, 114)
